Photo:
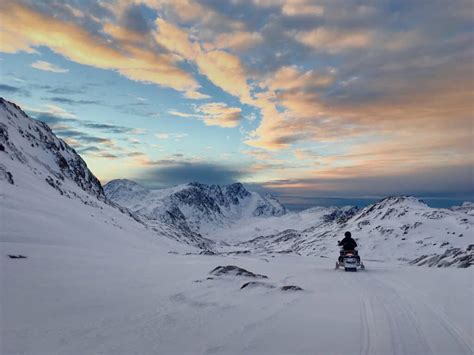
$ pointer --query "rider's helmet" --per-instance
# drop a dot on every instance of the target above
(347, 234)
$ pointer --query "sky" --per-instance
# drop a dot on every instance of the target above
(317, 102)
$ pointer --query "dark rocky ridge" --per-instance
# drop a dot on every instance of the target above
(68, 164)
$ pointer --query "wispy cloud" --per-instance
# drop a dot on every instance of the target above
(214, 114)
(175, 136)
(219, 114)
(46, 66)
(9, 88)
(68, 101)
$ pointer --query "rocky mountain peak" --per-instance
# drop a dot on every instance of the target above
(397, 200)
(200, 204)
(32, 144)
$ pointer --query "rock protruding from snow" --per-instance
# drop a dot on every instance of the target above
(452, 257)
(291, 288)
(232, 270)
(256, 284)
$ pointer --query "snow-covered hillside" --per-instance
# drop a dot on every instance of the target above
(204, 209)
(396, 228)
(46, 188)
(400, 228)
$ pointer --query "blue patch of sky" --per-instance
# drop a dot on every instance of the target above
(127, 103)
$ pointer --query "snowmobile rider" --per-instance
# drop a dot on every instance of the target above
(348, 244)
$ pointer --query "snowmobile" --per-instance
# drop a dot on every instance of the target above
(349, 260)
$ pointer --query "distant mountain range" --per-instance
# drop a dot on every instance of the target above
(50, 194)
(194, 207)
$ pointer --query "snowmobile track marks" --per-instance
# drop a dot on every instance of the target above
(368, 327)
(463, 340)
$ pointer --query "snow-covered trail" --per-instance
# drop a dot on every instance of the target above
(397, 318)
(385, 310)
(68, 301)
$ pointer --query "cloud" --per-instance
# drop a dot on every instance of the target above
(223, 69)
(107, 155)
(83, 137)
(172, 172)
(14, 90)
(90, 149)
(62, 90)
(334, 40)
(132, 18)
(54, 115)
(51, 110)
(238, 41)
(219, 114)
(440, 180)
(190, 11)
(109, 128)
(68, 101)
(290, 78)
(46, 66)
(182, 114)
(259, 154)
(227, 72)
(175, 136)
(195, 95)
(306, 154)
(9, 88)
(302, 8)
(214, 114)
(75, 43)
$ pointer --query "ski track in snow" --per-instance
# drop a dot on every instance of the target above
(396, 320)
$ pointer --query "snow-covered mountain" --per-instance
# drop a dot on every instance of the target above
(466, 207)
(47, 188)
(195, 207)
(400, 228)
(32, 145)
(395, 228)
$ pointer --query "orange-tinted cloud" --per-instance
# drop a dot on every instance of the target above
(76, 44)
(301, 8)
(238, 41)
(334, 40)
(289, 78)
(214, 114)
(219, 114)
(223, 69)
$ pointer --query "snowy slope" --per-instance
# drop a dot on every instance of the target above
(466, 207)
(197, 207)
(145, 303)
(47, 188)
(395, 228)
(253, 227)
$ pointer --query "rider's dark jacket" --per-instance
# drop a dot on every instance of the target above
(348, 243)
